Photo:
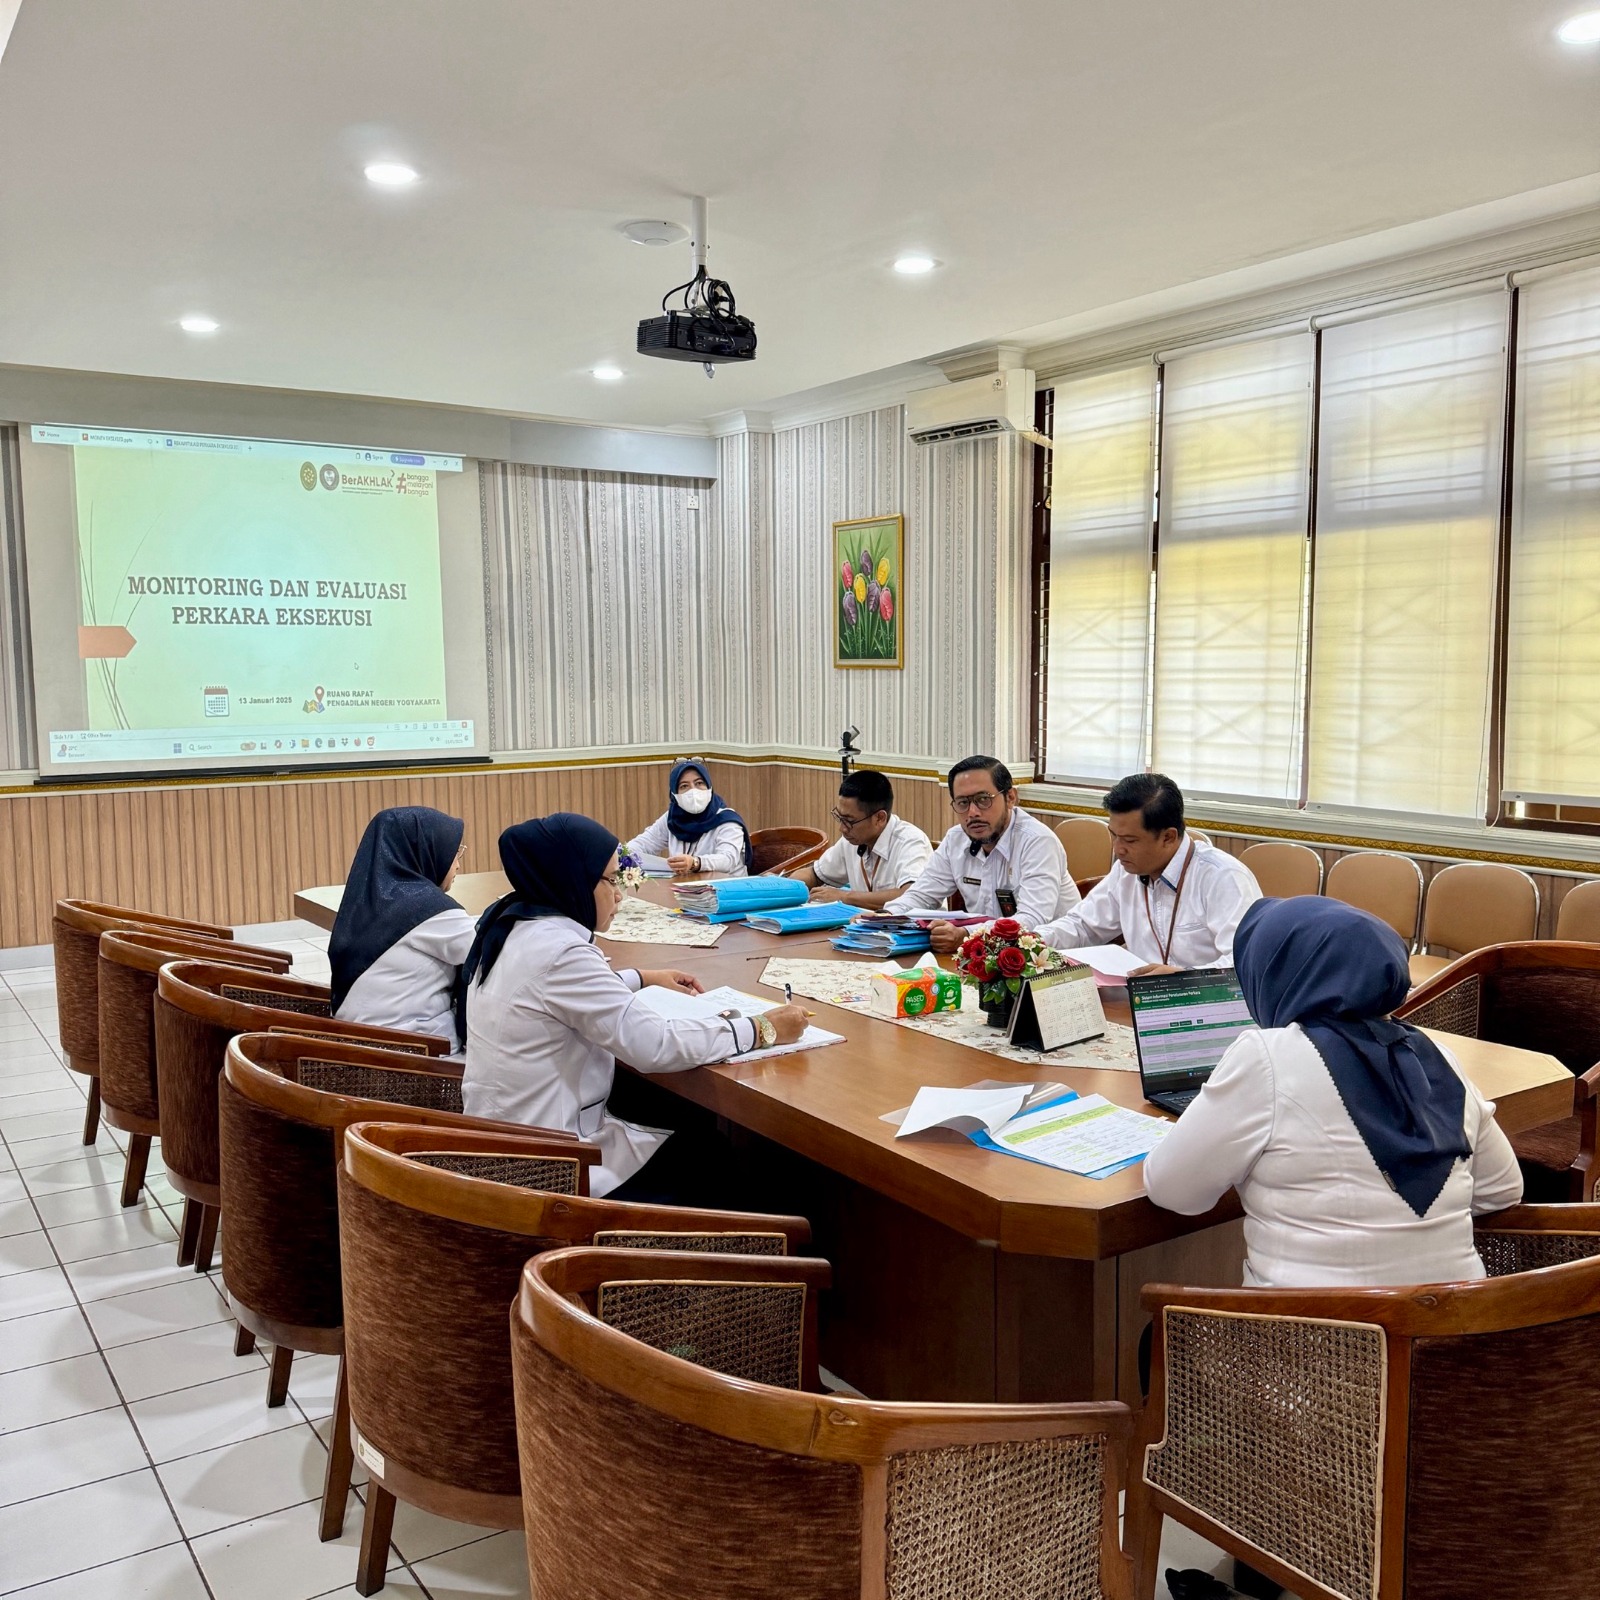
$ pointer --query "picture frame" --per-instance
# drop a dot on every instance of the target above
(868, 564)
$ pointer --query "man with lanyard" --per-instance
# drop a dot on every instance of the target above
(1001, 861)
(876, 855)
(1173, 901)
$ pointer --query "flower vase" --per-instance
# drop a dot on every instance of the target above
(997, 1001)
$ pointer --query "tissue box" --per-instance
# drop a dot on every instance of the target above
(915, 992)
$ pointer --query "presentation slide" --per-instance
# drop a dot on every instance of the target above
(249, 602)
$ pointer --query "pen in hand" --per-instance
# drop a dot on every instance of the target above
(788, 994)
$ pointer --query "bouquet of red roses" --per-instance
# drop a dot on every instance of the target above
(1001, 958)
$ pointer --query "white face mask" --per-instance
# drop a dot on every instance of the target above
(694, 801)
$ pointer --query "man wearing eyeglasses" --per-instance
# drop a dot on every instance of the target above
(877, 854)
(1001, 861)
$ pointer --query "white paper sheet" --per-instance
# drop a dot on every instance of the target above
(1083, 1136)
(1110, 960)
(675, 1003)
(964, 1110)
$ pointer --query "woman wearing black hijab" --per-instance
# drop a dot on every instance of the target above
(400, 939)
(545, 1016)
(699, 831)
(1359, 1151)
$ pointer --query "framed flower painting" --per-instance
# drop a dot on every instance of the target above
(865, 582)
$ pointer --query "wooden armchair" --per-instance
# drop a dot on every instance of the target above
(75, 931)
(199, 1007)
(435, 1225)
(129, 963)
(784, 850)
(1428, 1443)
(1541, 995)
(672, 1444)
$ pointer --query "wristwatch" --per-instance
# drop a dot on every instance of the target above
(766, 1034)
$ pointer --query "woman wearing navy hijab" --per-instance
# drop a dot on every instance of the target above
(1360, 1152)
(400, 939)
(699, 831)
(545, 1016)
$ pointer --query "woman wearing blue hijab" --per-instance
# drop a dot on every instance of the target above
(545, 1016)
(699, 831)
(1359, 1150)
(399, 938)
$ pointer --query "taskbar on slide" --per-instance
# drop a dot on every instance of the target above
(95, 746)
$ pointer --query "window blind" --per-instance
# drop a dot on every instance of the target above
(1231, 567)
(1404, 561)
(1102, 482)
(1552, 742)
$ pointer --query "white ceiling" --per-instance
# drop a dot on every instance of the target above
(1057, 156)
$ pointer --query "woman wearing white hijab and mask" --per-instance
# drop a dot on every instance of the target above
(699, 831)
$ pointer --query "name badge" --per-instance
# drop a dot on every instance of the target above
(977, 881)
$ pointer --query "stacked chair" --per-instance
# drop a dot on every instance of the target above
(199, 1007)
(435, 1225)
(673, 1442)
(76, 930)
(1426, 1443)
(128, 964)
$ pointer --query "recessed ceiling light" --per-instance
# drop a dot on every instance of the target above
(915, 266)
(390, 174)
(1581, 29)
(608, 374)
(653, 232)
(195, 323)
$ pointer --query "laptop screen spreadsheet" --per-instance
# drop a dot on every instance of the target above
(1185, 1021)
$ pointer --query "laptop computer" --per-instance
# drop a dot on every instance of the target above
(1183, 1022)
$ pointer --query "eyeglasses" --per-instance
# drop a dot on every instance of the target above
(614, 879)
(972, 802)
(848, 822)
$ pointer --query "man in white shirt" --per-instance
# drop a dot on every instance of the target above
(1001, 861)
(877, 854)
(1173, 901)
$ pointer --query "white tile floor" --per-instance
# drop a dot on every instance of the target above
(138, 1459)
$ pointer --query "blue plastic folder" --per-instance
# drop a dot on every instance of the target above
(981, 1137)
(803, 919)
(734, 899)
(864, 939)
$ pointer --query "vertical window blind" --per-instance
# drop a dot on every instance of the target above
(1231, 567)
(1102, 479)
(1552, 737)
(1404, 568)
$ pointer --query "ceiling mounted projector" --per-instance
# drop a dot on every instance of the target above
(705, 326)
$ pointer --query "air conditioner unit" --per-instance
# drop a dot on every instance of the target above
(1001, 402)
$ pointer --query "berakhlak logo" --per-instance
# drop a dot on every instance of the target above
(308, 474)
(330, 476)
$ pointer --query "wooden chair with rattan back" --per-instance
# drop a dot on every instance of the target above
(129, 964)
(1470, 906)
(673, 1443)
(285, 1102)
(1383, 883)
(1283, 869)
(199, 1007)
(435, 1225)
(1539, 995)
(1087, 841)
(783, 850)
(75, 933)
(1382, 1443)
(1578, 916)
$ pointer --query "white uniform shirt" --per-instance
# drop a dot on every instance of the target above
(896, 858)
(721, 850)
(1318, 1212)
(544, 1031)
(412, 984)
(1028, 860)
(1216, 894)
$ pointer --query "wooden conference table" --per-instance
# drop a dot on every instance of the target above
(960, 1274)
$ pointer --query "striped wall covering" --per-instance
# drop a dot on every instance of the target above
(16, 648)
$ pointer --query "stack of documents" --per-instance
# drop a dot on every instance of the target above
(733, 899)
(654, 866)
(1082, 1134)
(897, 933)
(803, 919)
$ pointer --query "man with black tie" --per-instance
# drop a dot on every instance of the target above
(1001, 861)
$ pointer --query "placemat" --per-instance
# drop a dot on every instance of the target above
(644, 922)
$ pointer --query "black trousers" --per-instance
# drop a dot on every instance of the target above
(697, 1166)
